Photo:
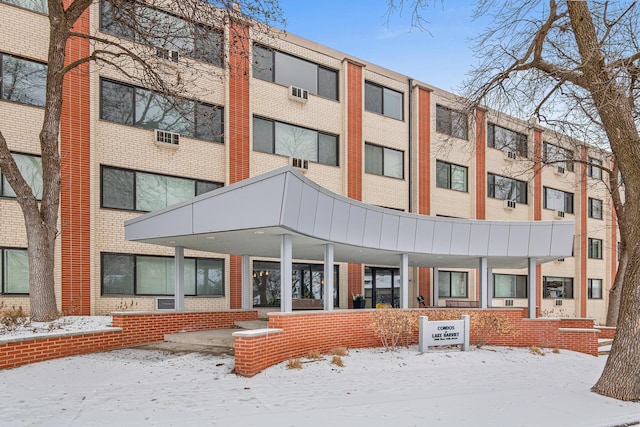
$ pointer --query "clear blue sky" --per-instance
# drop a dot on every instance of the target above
(360, 28)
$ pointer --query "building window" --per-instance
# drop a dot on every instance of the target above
(14, 271)
(30, 168)
(558, 287)
(509, 286)
(307, 282)
(287, 70)
(270, 136)
(452, 284)
(382, 100)
(127, 274)
(507, 140)
(453, 177)
(23, 81)
(131, 105)
(558, 156)
(594, 248)
(593, 168)
(451, 122)
(503, 188)
(594, 289)
(558, 200)
(380, 160)
(595, 208)
(142, 191)
(162, 30)
(40, 6)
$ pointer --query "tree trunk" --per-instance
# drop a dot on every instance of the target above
(615, 294)
(42, 297)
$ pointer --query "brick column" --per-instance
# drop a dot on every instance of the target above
(582, 219)
(75, 173)
(537, 203)
(238, 133)
(424, 178)
(481, 173)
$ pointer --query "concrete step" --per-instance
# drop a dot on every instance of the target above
(604, 342)
(252, 324)
(211, 338)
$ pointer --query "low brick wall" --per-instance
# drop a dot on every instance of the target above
(296, 334)
(129, 329)
(607, 332)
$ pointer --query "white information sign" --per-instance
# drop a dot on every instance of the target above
(443, 332)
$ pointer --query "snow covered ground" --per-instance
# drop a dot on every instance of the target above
(491, 386)
(64, 325)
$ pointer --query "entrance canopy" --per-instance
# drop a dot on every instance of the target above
(250, 217)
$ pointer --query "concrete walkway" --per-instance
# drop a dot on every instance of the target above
(213, 341)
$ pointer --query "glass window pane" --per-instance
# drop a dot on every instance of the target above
(327, 83)
(204, 187)
(154, 111)
(393, 163)
(117, 274)
(458, 178)
(23, 81)
(35, 5)
(117, 189)
(179, 190)
(373, 159)
(210, 277)
(154, 275)
(297, 72)
(504, 285)
(114, 21)
(458, 284)
(116, 102)
(262, 63)
(266, 283)
(392, 104)
(459, 126)
(31, 170)
(373, 98)
(327, 149)
(16, 271)
(151, 191)
(189, 276)
(442, 174)
(296, 142)
(263, 135)
(503, 188)
(444, 284)
(443, 120)
(209, 124)
(208, 45)
(554, 199)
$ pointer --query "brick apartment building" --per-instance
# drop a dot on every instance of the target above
(355, 128)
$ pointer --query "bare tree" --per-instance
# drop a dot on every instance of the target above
(578, 60)
(135, 35)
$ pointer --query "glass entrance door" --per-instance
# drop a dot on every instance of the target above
(382, 287)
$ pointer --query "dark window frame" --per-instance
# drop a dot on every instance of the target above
(448, 121)
(569, 200)
(135, 171)
(566, 282)
(2, 55)
(450, 174)
(466, 292)
(133, 124)
(593, 168)
(491, 188)
(2, 271)
(521, 144)
(568, 157)
(384, 113)
(317, 77)
(526, 287)
(27, 8)
(594, 248)
(591, 210)
(590, 289)
(2, 190)
(385, 148)
(135, 274)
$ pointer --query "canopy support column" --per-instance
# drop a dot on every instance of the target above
(483, 270)
(286, 273)
(178, 291)
(404, 281)
(435, 285)
(531, 279)
(328, 277)
(246, 278)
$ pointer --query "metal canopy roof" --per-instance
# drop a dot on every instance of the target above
(249, 217)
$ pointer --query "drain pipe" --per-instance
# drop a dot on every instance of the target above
(410, 123)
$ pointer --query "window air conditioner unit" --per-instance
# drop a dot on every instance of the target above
(298, 94)
(509, 204)
(168, 55)
(510, 155)
(559, 260)
(560, 170)
(508, 303)
(165, 303)
(297, 163)
(558, 214)
(558, 302)
(164, 138)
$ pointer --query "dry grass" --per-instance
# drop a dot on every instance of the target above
(11, 318)
(337, 360)
(340, 351)
(556, 351)
(313, 355)
(537, 350)
(294, 364)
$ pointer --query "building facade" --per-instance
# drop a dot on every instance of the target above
(355, 128)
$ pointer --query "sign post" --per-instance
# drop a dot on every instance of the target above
(443, 332)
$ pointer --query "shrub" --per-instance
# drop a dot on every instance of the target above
(337, 360)
(12, 318)
(294, 364)
(313, 355)
(536, 350)
(339, 351)
(394, 327)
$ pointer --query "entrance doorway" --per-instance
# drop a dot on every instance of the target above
(382, 287)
